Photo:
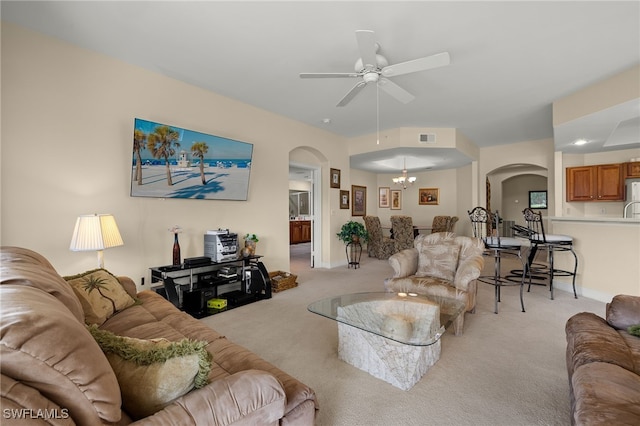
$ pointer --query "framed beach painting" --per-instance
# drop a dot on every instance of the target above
(172, 162)
(383, 197)
(335, 178)
(428, 196)
(396, 199)
(358, 200)
(344, 199)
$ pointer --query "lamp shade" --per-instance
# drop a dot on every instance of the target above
(95, 232)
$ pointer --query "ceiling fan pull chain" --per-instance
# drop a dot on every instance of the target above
(377, 114)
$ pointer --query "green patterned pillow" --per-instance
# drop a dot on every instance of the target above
(153, 373)
(100, 294)
(634, 330)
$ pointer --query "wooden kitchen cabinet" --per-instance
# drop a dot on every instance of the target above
(633, 169)
(604, 182)
(299, 231)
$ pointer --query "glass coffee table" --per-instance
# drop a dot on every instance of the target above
(392, 336)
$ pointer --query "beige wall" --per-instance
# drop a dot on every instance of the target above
(67, 117)
(66, 150)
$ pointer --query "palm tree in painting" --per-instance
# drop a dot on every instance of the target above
(139, 139)
(199, 149)
(94, 283)
(162, 144)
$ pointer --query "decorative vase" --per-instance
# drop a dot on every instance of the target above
(249, 248)
(176, 250)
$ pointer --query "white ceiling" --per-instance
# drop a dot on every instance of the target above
(509, 61)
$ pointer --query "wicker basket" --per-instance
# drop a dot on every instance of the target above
(281, 281)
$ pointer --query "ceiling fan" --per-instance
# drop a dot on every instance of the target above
(374, 68)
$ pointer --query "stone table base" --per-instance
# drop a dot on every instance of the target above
(399, 364)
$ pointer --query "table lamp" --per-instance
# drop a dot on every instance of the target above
(95, 232)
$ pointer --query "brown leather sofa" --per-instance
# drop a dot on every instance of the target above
(603, 362)
(54, 372)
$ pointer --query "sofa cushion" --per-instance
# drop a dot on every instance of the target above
(45, 347)
(605, 394)
(438, 260)
(152, 373)
(100, 294)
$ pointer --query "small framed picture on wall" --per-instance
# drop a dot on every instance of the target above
(358, 200)
(383, 197)
(396, 199)
(428, 196)
(335, 178)
(344, 199)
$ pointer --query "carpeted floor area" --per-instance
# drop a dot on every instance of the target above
(506, 369)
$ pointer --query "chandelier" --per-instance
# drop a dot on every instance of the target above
(404, 179)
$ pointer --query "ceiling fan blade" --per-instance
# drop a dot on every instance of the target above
(352, 93)
(396, 91)
(328, 74)
(422, 64)
(367, 47)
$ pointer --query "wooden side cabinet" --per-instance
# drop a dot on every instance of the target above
(603, 182)
(633, 169)
(299, 231)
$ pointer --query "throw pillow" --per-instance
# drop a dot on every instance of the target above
(100, 294)
(438, 260)
(153, 373)
(634, 330)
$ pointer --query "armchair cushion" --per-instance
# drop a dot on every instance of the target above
(438, 260)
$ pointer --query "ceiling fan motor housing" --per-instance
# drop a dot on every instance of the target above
(381, 62)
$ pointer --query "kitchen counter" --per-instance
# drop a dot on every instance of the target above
(595, 219)
(608, 250)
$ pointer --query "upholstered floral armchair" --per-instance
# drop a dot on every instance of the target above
(378, 245)
(402, 232)
(441, 264)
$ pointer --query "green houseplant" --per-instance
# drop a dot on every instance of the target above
(351, 231)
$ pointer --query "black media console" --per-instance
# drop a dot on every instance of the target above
(191, 285)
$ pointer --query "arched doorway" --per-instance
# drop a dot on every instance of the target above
(305, 206)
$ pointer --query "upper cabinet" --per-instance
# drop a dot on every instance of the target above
(604, 182)
(633, 169)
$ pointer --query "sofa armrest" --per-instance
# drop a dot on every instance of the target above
(248, 397)
(129, 286)
(623, 311)
(468, 270)
(404, 263)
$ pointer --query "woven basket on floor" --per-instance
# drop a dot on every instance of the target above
(281, 281)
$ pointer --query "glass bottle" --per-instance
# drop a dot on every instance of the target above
(176, 250)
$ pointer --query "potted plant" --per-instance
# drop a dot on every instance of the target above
(352, 232)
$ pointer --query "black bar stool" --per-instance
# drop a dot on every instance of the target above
(482, 222)
(552, 243)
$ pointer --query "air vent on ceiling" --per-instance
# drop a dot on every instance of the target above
(427, 138)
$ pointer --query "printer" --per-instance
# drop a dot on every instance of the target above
(220, 245)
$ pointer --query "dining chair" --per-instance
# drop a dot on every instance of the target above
(440, 224)
(484, 225)
(403, 234)
(378, 245)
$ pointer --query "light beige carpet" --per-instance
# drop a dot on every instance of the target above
(506, 369)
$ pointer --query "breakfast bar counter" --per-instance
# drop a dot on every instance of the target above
(608, 250)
